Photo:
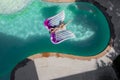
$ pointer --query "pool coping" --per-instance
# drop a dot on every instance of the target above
(49, 54)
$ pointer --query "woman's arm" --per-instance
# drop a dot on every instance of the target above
(53, 29)
(68, 22)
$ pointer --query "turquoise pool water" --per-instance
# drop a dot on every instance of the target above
(23, 34)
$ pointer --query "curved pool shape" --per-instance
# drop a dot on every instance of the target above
(23, 33)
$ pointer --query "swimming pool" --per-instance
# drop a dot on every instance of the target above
(23, 33)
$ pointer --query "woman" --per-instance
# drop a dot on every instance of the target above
(62, 26)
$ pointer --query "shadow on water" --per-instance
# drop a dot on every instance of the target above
(14, 49)
(82, 16)
(77, 17)
(10, 48)
(49, 11)
(80, 13)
